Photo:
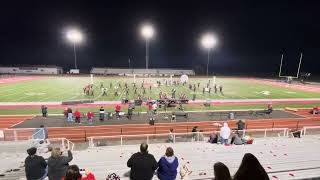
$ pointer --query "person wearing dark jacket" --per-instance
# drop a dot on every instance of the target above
(168, 165)
(221, 171)
(101, 114)
(250, 168)
(58, 164)
(35, 166)
(213, 138)
(44, 111)
(142, 164)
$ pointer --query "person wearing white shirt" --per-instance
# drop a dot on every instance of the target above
(154, 108)
(225, 133)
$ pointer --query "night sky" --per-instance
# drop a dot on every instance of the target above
(252, 35)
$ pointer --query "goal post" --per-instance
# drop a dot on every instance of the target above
(91, 78)
(298, 70)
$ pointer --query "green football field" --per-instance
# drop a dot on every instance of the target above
(53, 89)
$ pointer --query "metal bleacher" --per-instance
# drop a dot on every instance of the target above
(282, 157)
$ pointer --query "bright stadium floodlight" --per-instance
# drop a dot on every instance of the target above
(208, 41)
(147, 33)
(75, 37)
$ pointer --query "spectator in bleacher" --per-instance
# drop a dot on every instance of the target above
(213, 138)
(58, 164)
(73, 173)
(225, 133)
(171, 136)
(142, 164)
(44, 111)
(241, 126)
(221, 171)
(90, 117)
(200, 136)
(77, 114)
(69, 114)
(247, 139)
(236, 139)
(168, 165)
(194, 132)
(43, 147)
(250, 168)
(35, 166)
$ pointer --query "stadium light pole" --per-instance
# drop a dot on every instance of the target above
(147, 33)
(208, 41)
(75, 37)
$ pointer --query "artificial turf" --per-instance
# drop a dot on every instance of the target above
(57, 89)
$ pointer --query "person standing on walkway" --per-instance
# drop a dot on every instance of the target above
(65, 112)
(44, 110)
(70, 115)
(90, 117)
(77, 114)
(118, 109)
(130, 111)
(101, 113)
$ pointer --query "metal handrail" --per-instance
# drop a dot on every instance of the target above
(91, 138)
(301, 132)
(63, 143)
(309, 127)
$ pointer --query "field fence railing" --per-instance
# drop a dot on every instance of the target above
(18, 134)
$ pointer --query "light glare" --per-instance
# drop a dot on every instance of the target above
(147, 31)
(74, 35)
(208, 41)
